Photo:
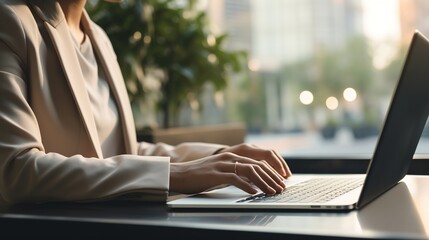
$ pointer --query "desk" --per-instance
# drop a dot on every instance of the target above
(402, 212)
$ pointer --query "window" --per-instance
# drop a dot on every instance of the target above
(320, 72)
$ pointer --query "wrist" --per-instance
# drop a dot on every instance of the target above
(177, 172)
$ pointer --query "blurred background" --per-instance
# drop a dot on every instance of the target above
(304, 77)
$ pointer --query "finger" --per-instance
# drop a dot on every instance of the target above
(272, 172)
(234, 179)
(267, 168)
(271, 180)
(270, 176)
(272, 157)
(249, 171)
(285, 166)
(276, 162)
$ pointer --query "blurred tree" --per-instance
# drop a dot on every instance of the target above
(163, 41)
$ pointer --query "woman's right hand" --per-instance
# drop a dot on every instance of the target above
(225, 169)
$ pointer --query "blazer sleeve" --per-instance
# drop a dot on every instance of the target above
(28, 173)
(183, 152)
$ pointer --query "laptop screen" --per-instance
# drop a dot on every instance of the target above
(403, 125)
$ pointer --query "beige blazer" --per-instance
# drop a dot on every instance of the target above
(49, 146)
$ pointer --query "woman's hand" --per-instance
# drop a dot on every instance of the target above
(257, 153)
(227, 168)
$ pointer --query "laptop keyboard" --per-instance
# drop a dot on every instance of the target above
(317, 190)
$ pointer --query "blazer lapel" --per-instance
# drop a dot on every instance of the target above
(57, 28)
(116, 82)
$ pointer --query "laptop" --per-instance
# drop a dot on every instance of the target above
(397, 142)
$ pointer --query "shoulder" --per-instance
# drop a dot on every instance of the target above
(13, 14)
(13, 8)
(9, 8)
(12, 2)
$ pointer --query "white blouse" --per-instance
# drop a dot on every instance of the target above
(103, 106)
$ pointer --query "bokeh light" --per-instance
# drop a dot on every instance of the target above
(349, 94)
(306, 97)
(332, 103)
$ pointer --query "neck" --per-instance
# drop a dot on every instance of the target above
(73, 10)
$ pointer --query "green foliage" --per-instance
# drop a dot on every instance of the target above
(174, 41)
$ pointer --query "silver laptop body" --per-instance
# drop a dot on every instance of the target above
(403, 126)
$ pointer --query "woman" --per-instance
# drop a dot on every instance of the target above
(66, 127)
